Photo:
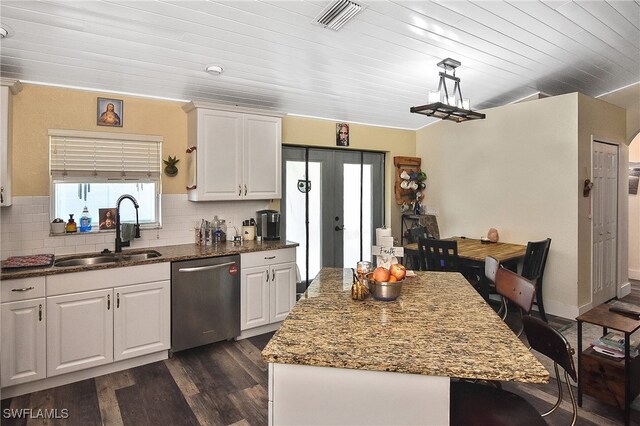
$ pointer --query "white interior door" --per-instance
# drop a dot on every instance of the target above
(605, 224)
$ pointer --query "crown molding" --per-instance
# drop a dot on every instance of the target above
(14, 85)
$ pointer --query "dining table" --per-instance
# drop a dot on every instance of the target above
(473, 252)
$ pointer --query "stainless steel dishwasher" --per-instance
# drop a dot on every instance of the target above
(205, 301)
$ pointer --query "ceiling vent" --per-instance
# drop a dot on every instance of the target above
(338, 13)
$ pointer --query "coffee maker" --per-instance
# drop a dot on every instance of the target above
(268, 224)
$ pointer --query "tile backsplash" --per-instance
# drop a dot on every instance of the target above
(25, 226)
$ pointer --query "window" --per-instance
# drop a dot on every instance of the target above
(94, 169)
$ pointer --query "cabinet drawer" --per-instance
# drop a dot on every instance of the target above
(22, 289)
(269, 257)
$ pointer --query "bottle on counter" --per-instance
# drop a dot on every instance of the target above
(85, 221)
(71, 225)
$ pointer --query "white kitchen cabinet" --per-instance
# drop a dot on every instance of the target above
(267, 287)
(23, 341)
(142, 319)
(254, 293)
(79, 331)
(238, 154)
(5, 147)
(23, 330)
(106, 324)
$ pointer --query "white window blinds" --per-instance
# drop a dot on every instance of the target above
(104, 155)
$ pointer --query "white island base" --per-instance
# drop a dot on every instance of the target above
(309, 395)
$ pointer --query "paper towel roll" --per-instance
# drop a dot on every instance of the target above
(382, 232)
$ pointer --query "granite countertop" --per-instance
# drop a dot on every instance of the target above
(169, 254)
(439, 326)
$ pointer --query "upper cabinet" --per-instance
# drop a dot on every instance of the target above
(238, 153)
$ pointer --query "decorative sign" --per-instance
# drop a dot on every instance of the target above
(387, 251)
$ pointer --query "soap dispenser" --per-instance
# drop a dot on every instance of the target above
(85, 221)
(71, 225)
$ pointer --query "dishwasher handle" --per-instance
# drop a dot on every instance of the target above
(205, 268)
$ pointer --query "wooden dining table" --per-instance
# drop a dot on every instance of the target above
(473, 253)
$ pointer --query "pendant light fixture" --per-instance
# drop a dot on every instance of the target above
(448, 105)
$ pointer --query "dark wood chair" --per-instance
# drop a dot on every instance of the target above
(551, 343)
(516, 289)
(476, 404)
(491, 265)
(438, 255)
(533, 265)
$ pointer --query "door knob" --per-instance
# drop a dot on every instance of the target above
(339, 228)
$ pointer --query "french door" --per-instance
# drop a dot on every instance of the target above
(605, 223)
(333, 200)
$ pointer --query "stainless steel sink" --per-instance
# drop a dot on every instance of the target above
(88, 260)
(140, 256)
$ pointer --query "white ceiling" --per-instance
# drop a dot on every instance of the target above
(371, 71)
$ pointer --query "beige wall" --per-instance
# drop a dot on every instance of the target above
(394, 142)
(517, 171)
(36, 109)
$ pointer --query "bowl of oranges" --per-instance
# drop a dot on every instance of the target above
(386, 284)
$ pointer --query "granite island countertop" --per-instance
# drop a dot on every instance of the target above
(168, 254)
(439, 326)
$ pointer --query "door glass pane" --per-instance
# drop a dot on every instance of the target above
(295, 214)
(351, 214)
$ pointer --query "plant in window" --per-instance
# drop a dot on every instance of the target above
(171, 170)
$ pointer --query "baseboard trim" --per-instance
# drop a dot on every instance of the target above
(259, 330)
(634, 274)
(76, 376)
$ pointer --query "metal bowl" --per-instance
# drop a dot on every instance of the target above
(382, 290)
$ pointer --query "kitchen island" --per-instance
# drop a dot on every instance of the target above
(340, 361)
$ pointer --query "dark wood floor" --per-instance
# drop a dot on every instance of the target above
(226, 384)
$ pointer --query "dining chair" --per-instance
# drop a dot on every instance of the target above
(480, 404)
(438, 255)
(516, 289)
(551, 343)
(535, 259)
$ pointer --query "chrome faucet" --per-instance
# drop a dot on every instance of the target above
(119, 243)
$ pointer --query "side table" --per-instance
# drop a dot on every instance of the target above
(607, 379)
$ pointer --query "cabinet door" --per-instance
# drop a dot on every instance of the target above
(218, 156)
(262, 157)
(254, 293)
(5, 147)
(23, 341)
(141, 322)
(282, 290)
(79, 331)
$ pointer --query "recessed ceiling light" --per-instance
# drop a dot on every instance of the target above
(214, 69)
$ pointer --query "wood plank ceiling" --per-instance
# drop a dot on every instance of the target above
(371, 71)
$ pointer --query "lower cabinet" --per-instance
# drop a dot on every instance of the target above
(267, 287)
(98, 327)
(142, 319)
(79, 331)
(23, 341)
(65, 323)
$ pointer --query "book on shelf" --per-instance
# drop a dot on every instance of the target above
(614, 342)
(623, 308)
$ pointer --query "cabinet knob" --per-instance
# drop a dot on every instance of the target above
(239, 190)
(245, 189)
(267, 276)
(108, 302)
(40, 312)
(273, 275)
(117, 300)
